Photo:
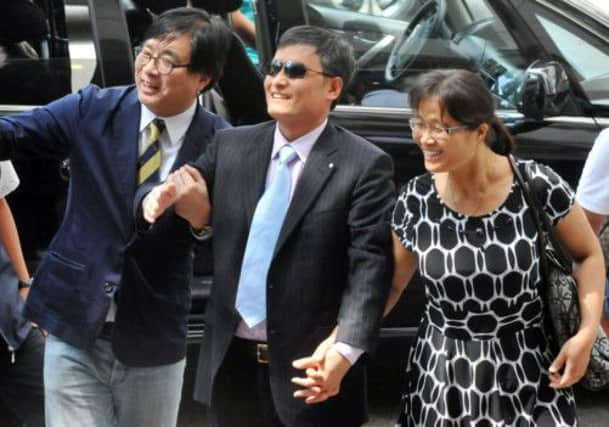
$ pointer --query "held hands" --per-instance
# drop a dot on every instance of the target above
(571, 363)
(324, 370)
(186, 189)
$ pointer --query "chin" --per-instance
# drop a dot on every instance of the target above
(434, 167)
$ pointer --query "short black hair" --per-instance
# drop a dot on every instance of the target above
(334, 51)
(464, 95)
(210, 38)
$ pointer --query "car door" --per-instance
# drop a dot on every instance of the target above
(55, 48)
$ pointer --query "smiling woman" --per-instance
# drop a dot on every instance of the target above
(467, 227)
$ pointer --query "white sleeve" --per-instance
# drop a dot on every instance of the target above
(9, 180)
(593, 189)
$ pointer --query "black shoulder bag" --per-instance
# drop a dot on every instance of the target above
(558, 289)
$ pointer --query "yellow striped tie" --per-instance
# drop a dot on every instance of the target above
(149, 161)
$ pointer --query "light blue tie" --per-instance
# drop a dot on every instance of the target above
(264, 231)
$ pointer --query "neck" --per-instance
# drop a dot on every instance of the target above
(475, 175)
(292, 131)
(466, 189)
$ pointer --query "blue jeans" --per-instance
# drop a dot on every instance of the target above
(91, 388)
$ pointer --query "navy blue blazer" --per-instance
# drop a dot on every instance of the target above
(96, 252)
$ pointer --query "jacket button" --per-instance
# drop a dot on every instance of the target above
(108, 287)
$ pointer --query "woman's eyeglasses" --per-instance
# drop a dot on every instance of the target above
(292, 69)
(436, 131)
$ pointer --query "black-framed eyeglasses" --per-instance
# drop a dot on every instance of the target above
(436, 131)
(292, 69)
(163, 64)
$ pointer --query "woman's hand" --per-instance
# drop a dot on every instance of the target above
(571, 363)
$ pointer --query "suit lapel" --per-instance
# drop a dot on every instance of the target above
(125, 137)
(317, 171)
(196, 135)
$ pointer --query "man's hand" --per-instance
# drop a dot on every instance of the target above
(158, 200)
(325, 369)
(192, 198)
(323, 379)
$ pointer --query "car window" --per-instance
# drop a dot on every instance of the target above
(396, 9)
(46, 55)
(586, 56)
(396, 40)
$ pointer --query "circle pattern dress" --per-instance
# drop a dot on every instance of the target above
(481, 357)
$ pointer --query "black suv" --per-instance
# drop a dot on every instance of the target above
(546, 63)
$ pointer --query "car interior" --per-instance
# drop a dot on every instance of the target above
(400, 39)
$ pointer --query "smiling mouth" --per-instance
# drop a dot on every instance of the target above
(431, 154)
(279, 96)
(148, 86)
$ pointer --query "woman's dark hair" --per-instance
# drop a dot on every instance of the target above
(334, 51)
(209, 35)
(464, 96)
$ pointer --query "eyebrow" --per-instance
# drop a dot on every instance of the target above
(164, 51)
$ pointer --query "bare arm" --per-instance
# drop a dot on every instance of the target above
(595, 220)
(405, 264)
(577, 236)
(243, 27)
(10, 240)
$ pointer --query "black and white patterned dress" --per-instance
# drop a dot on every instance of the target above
(481, 357)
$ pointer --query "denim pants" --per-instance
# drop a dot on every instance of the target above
(92, 388)
(21, 391)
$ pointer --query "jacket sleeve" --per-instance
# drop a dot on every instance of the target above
(369, 255)
(46, 131)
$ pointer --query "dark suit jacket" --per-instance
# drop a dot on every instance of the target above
(94, 253)
(332, 263)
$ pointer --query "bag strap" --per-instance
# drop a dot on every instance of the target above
(545, 230)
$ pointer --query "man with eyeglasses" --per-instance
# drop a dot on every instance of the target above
(115, 303)
(302, 248)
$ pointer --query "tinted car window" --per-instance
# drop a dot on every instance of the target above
(45, 51)
(396, 40)
(587, 56)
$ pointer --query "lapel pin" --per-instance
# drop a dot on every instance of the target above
(331, 165)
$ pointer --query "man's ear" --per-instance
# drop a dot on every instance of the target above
(204, 82)
(336, 88)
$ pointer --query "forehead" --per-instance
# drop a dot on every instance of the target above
(172, 43)
(431, 109)
(298, 52)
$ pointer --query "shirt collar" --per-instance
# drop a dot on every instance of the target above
(176, 125)
(302, 145)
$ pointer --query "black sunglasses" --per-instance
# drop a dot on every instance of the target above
(292, 69)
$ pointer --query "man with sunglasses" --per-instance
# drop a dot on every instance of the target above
(115, 304)
(302, 248)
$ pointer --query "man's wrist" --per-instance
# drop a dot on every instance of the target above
(25, 284)
(202, 234)
(352, 354)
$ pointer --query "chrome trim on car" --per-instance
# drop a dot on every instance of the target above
(393, 112)
(584, 8)
(590, 121)
(603, 122)
(7, 108)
